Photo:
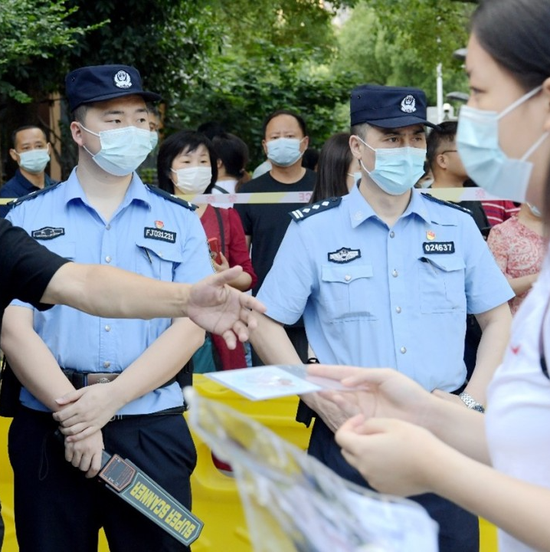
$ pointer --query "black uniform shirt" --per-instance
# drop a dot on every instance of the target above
(267, 223)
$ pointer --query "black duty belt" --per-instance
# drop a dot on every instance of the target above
(83, 379)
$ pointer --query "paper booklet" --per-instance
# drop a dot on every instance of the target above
(270, 382)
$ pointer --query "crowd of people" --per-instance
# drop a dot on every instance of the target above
(370, 274)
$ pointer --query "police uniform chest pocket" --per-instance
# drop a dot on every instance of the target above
(442, 284)
(346, 291)
(157, 260)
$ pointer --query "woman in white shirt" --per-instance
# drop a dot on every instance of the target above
(406, 441)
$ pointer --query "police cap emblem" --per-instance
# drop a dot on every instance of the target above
(122, 80)
(408, 105)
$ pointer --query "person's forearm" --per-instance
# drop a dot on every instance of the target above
(242, 282)
(31, 359)
(494, 340)
(460, 427)
(160, 362)
(271, 342)
(113, 293)
(519, 508)
(523, 283)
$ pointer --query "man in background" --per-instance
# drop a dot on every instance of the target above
(31, 151)
(285, 142)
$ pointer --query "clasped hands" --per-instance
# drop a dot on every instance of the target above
(82, 415)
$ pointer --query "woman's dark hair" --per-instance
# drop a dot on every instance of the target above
(233, 153)
(515, 34)
(184, 140)
(211, 129)
(332, 168)
(310, 159)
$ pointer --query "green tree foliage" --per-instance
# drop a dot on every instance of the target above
(400, 42)
(273, 55)
(232, 61)
(31, 32)
(167, 40)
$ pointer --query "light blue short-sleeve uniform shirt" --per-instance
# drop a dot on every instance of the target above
(148, 234)
(376, 296)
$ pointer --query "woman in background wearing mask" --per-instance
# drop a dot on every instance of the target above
(232, 155)
(337, 169)
(518, 247)
(406, 441)
(187, 164)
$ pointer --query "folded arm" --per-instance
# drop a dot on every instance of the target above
(37, 369)
(88, 409)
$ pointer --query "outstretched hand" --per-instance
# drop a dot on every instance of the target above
(375, 392)
(221, 309)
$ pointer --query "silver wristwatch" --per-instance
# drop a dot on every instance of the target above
(470, 402)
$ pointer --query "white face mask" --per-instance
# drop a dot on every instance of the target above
(123, 150)
(193, 180)
(34, 161)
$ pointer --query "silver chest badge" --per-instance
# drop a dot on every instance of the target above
(344, 255)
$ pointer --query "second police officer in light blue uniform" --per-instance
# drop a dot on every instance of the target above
(385, 276)
(103, 214)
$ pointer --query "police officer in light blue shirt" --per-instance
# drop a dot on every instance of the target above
(103, 214)
(385, 276)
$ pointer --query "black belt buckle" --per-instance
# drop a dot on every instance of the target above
(78, 379)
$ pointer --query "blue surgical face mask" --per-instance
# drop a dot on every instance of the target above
(485, 162)
(154, 139)
(396, 170)
(123, 150)
(284, 152)
(356, 176)
(34, 161)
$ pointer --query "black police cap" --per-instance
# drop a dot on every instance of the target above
(388, 106)
(104, 82)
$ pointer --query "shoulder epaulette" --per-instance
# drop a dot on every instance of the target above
(171, 197)
(319, 207)
(32, 195)
(446, 203)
